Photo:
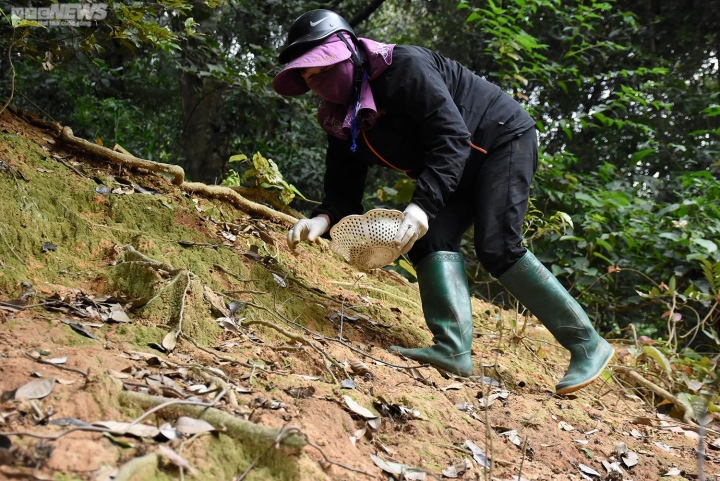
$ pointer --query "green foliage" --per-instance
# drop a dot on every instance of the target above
(692, 377)
(510, 46)
(632, 210)
(624, 199)
(262, 173)
(617, 226)
(700, 294)
(400, 194)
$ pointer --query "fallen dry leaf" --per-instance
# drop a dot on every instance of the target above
(169, 341)
(407, 472)
(565, 426)
(358, 409)
(478, 454)
(36, 389)
(120, 428)
(188, 425)
(456, 468)
(357, 435)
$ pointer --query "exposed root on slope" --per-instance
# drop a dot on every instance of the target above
(228, 194)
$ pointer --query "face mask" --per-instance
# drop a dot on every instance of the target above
(335, 85)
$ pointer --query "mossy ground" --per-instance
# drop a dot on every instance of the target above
(198, 251)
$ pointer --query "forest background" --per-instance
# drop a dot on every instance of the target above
(626, 96)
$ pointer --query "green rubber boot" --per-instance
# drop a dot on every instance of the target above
(538, 290)
(446, 304)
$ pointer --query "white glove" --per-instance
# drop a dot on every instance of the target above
(307, 230)
(413, 227)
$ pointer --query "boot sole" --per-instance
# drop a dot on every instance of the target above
(577, 387)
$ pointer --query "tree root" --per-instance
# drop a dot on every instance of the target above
(303, 341)
(234, 427)
(375, 289)
(66, 135)
(266, 196)
(223, 193)
(229, 195)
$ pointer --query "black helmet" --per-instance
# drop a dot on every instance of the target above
(309, 29)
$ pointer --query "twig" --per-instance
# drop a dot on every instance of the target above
(28, 306)
(224, 386)
(94, 224)
(635, 336)
(294, 337)
(64, 368)
(335, 463)
(488, 429)
(54, 437)
(232, 360)
(71, 167)
(300, 340)
(331, 360)
(178, 331)
(12, 75)
(233, 275)
(342, 310)
(244, 291)
(331, 339)
(522, 459)
(683, 407)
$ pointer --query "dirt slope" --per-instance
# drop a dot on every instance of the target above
(121, 293)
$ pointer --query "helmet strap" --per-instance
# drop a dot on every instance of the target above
(358, 61)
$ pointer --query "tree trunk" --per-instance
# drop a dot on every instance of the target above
(204, 137)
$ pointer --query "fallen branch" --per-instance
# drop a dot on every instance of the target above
(55, 437)
(684, 408)
(234, 427)
(64, 368)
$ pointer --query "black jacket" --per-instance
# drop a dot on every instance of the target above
(428, 106)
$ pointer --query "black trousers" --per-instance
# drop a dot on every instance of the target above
(492, 196)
